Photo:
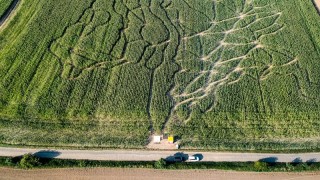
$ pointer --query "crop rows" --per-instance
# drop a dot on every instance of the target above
(112, 73)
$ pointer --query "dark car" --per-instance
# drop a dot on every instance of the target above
(178, 159)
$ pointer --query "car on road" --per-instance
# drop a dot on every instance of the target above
(193, 158)
(178, 158)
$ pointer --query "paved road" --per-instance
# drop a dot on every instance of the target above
(144, 155)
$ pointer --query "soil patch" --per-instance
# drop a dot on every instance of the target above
(147, 174)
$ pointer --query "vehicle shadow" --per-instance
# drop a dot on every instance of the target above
(47, 154)
(312, 160)
(297, 160)
(269, 159)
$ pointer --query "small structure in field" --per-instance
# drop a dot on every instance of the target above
(171, 139)
(157, 139)
(164, 141)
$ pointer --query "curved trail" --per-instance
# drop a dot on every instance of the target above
(8, 12)
(143, 155)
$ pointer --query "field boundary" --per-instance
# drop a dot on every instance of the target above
(166, 86)
(258, 166)
(97, 148)
(7, 14)
(316, 3)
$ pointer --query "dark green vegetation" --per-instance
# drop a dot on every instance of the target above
(4, 5)
(227, 74)
(20, 162)
(34, 162)
(27, 161)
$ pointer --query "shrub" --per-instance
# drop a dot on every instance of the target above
(289, 167)
(160, 164)
(29, 161)
(260, 166)
(9, 162)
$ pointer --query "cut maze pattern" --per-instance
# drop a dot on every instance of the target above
(159, 32)
(236, 40)
(94, 41)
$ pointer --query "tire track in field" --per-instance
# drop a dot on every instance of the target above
(168, 58)
(7, 14)
(162, 45)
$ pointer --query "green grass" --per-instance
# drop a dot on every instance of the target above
(4, 4)
(222, 75)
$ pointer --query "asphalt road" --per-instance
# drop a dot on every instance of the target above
(144, 155)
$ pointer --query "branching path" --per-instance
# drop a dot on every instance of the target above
(155, 34)
(124, 37)
(232, 55)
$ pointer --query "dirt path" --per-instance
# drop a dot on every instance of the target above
(317, 3)
(148, 155)
(8, 12)
(148, 174)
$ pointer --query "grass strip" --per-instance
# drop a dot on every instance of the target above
(16, 162)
